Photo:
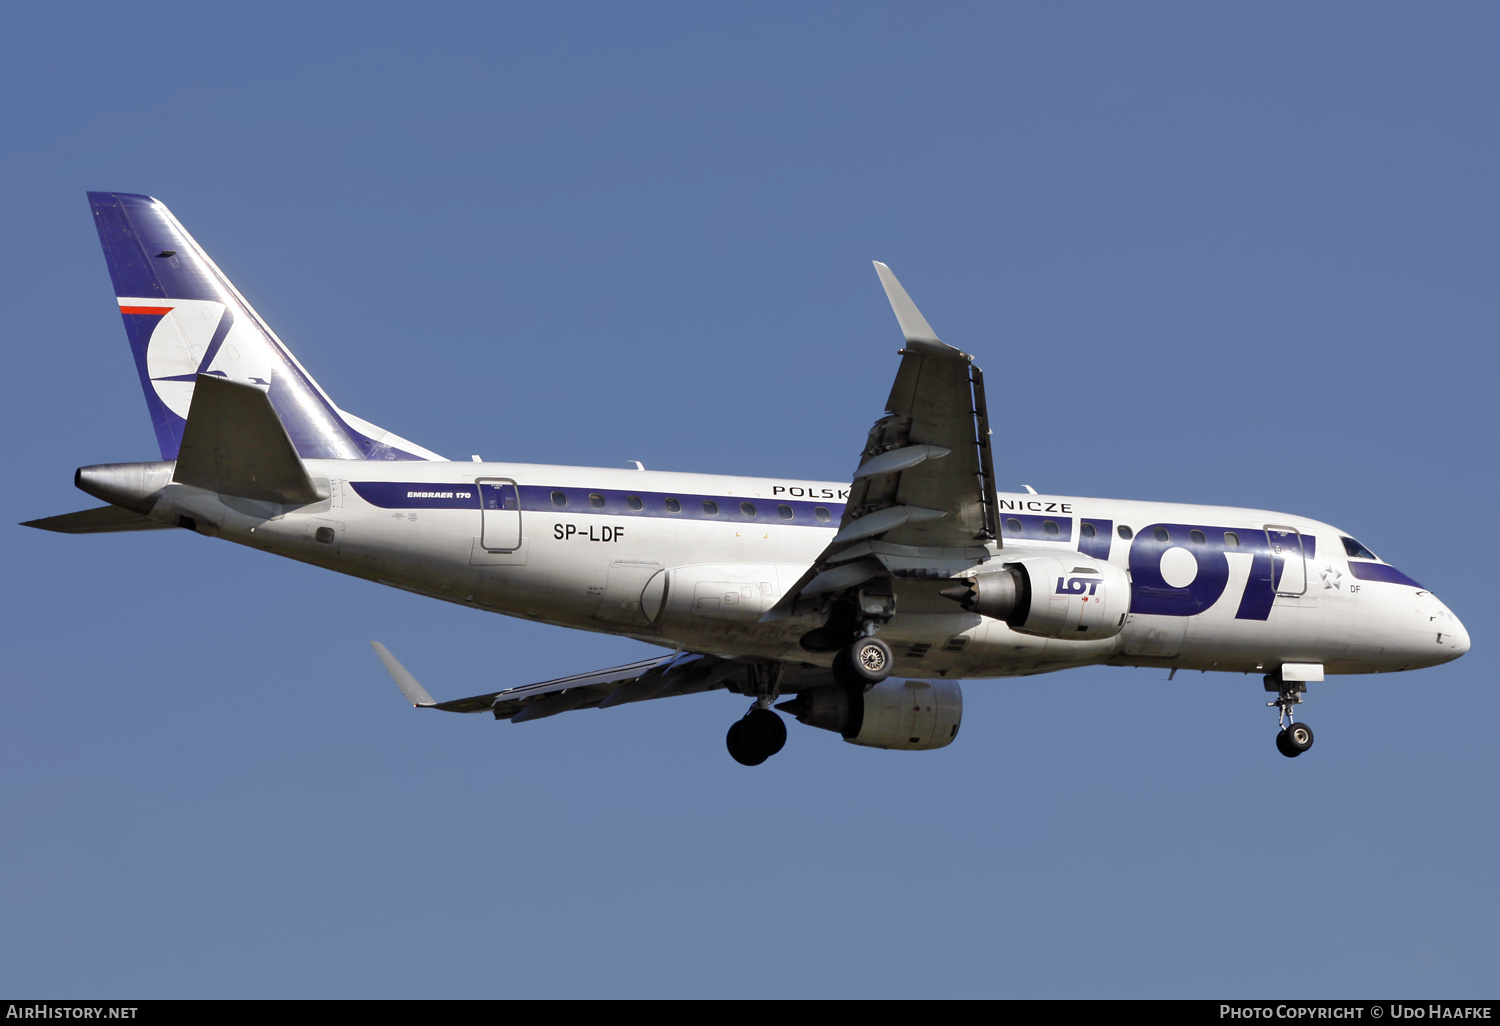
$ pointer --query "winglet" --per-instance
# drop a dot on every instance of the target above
(414, 692)
(913, 324)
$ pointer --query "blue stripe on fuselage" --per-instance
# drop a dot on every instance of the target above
(611, 502)
(615, 502)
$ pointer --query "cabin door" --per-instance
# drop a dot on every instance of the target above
(500, 508)
(1289, 568)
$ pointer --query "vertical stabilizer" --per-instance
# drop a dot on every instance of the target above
(184, 318)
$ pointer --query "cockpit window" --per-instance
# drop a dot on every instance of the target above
(1354, 550)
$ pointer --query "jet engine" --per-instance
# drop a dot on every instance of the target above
(1073, 597)
(906, 715)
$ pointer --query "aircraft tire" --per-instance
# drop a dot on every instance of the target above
(762, 731)
(1299, 737)
(1284, 746)
(735, 742)
(868, 660)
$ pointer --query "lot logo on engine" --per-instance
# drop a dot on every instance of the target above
(1077, 585)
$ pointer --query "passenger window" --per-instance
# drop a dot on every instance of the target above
(748, 510)
(1197, 537)
(1231, 539)
(634, 502)
(711, 507)
(1355, 550)
(1049, 527)
(822, 514)
(673, 506)
(785, 511)
(596, 500)
(559, 499)
(1125, 532)
(1162, 535)
(1087, 530)
(1013, 526)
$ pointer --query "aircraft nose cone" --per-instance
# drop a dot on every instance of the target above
(1460, 638)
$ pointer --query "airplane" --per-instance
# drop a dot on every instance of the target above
(855, 607)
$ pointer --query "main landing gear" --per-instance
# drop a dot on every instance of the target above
(756, 737)
(760, 733)
(1294, 738)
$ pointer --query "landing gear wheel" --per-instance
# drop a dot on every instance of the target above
(866, 662)
(763, 731)
(734, 741)
(1299, 737)
(755, 738)
(1294, 740)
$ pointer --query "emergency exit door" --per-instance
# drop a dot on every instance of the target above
(500, 508)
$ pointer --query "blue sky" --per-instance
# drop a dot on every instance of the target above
(1236, 254)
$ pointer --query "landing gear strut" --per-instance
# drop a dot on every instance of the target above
(760, 733)
(1294, 738)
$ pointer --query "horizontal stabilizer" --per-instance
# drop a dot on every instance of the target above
(234, 444)
(415, 693)
(101, 520)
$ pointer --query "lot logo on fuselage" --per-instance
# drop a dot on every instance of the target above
(1183, 569)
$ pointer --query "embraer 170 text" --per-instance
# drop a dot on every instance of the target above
(864, 603)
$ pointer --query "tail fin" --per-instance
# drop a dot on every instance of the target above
(184, 318)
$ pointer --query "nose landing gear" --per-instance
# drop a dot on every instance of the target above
(1294, 738)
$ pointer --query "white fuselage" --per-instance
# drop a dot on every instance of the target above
(694, 561)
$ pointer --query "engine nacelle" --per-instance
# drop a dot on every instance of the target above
(905, 715)
(1073, 597)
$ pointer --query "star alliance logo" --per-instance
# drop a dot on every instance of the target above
(1330, 578)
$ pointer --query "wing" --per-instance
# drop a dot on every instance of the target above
(680, 673)
(923, 499)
